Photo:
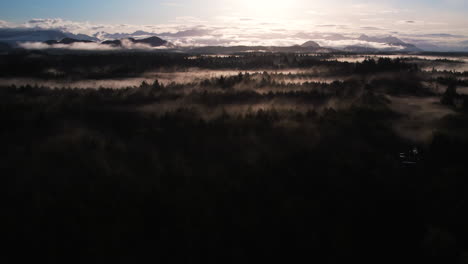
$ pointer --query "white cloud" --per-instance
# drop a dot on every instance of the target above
(59, 24)
(4, 24)
(126, 44)
(247, 30)
(73, 46)
(355, 42)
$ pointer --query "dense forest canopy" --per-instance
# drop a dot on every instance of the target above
(269, 163)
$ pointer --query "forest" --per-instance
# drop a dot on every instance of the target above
(248, 158)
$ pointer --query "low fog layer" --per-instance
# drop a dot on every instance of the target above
(90, 46)
(184, 77)
(420, 117)
(331, 82)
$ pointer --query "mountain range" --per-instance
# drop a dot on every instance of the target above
(151, 41)
(14, 35)
(309, 46)
(11, 37)
(67, 41)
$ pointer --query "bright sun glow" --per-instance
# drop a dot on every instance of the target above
(268, 8)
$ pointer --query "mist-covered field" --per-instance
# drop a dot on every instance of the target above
(235, 159)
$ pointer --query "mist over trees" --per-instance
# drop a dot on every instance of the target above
(250, 167)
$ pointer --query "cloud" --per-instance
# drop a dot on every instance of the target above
(371, 28)
(126, 45)
(43, 21)
(442, 35)
(355, 42)
(247, 30)
(436, 41)
(331, 25)
(4, 24)
(58, 24)
(73, 46)
(187, 33)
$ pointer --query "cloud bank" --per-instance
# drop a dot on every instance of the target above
(243, 30)
(126, 45)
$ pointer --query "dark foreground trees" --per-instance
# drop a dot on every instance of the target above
(90, 182)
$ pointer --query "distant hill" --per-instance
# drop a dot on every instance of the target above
(408, 47)
(395, 44)
(350, 43)
(429, 47)
(151, 41)
(81, 37)
(243, 49)
(142, 34)
(115, 43)
(67, 41)
(310, 44)
(14, 35)
(388, 40)
(359, 49)
(24, 35)
(112, 36)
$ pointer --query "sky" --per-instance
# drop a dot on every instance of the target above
(440, 22)
(150, 12)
